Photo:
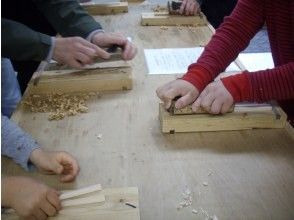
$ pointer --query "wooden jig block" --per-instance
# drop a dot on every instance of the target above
(108, 204)
(85, 80)
(165, 19)
(105, 8)
(240, 119)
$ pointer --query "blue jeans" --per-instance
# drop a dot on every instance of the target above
(10, 92)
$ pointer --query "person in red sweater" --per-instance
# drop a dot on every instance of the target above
(233, 36)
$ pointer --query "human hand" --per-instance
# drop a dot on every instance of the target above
(29, 198)
(215, 99)
(189, 7)
(175, 88)
(76, 51)
(55, 162)
(102, 39)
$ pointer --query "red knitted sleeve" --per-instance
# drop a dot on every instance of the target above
(262, 86)
(229, 40)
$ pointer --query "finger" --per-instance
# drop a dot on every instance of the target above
(83, 58)
(31, 217)
(133, 51)
(127, 51)
(184, 100)
(53, 198)
(93, 50)
(48, 208)
(216, 107)
(71, 168)
(195, 9)
(39, 214)
(89, 51)
(75, 64)
(169, 96)
(225, 107)
(196, 104)
(207, 101)
(102, 53)
(183, 6)
(188, 8)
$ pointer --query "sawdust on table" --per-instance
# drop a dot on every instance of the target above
(59, 105)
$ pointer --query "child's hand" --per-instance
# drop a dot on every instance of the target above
(215, 99)
(175, 88)
(29, 198)
(55, 162)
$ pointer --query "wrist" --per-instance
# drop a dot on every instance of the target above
(9, 187)
(36, 155)
(239, 86)
(198, 76)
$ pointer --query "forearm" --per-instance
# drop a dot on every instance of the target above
(228, 41)
(262, 86)
(68, 17)
(22, 43)
(16, 143)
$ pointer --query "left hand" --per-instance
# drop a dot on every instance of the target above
(55, 162)
(189, 7)
(215, 99)
(102, 39)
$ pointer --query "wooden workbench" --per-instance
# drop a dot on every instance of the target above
(250, 174)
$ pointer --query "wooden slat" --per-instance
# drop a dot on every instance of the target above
(230, 121)
(65, 81)
(106, 8)
(164, 19)
(82, 191)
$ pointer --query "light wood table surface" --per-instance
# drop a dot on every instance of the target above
(251, 172)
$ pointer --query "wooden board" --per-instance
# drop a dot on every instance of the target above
(252, 170)
(164, 19)
(106, 8)
(112, 209)
(66, 81)
(227, 122)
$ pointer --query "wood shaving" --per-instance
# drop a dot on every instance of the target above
(186, 200)
(163, 27)
(194, 211)
(59, 105)
(159, 8)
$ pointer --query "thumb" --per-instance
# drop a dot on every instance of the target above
(57, 168)
(184, 100)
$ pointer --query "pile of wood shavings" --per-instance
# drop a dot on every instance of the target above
(59, 105)
(186, 200)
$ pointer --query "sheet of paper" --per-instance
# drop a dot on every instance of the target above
(256, 61)
(175, 60)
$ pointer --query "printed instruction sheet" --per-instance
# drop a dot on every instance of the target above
(175, 60)
(256, 61)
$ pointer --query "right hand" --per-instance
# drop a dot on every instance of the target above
(179, 87)
(76, 51)
(29, 198)
(189, 7)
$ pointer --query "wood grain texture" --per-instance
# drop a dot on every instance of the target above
(252, 170)
(227, 122)
(164, 19)
(106, 8)
(66, 81)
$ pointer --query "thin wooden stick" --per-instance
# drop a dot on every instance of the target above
(78, 192)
